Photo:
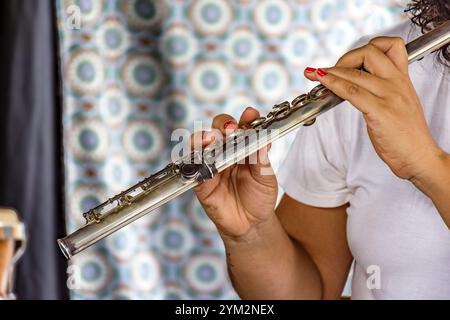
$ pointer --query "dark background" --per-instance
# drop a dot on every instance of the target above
(30, 153)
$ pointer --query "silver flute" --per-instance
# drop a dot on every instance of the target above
(185, 174)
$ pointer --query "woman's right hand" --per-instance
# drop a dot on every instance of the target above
(243, 196)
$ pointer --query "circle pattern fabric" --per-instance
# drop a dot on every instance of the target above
(138, 69)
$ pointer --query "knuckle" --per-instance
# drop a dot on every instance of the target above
(222, 116)
(333, 81)
(376, 39)
(219, 119)
(251, 108)
(352, 89)
(371, 48)
(343, 60)
(399, 41)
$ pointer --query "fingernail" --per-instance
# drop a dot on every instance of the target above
(228, 124)
(321, 72)
(310, 70)
(248, 108)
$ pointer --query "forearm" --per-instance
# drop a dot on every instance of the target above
(267, 264)
(434, 181)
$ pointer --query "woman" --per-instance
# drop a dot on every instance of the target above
(369, 182)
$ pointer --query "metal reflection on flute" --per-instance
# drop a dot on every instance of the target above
(185, 174)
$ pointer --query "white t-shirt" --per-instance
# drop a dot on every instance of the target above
(392, 227)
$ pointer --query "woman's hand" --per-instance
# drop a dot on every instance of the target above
(383, 92)
(243, 196)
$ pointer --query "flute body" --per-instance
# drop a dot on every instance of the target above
(187, 173)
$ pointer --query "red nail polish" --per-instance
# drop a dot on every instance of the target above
(228, 124)
(321, 72)
(310, 70)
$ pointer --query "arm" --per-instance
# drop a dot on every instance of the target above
(434, 181)
(396, 124)
(293, 251)
(301, 253)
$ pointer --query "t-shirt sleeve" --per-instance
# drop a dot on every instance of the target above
(314, 171)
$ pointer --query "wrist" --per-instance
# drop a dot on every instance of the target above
(433, 173)
(252, 237)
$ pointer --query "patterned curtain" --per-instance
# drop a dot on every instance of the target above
(136, 70)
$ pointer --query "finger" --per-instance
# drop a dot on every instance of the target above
(249, 115)
(259, 162)
(394, 48)
(262, 170)
(198, 141)
(371, 59)
(359, 97)
(201, 139)
(207, 187)
(359, 77)
(225, 123)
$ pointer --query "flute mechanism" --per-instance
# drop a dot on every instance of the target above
(199, 166)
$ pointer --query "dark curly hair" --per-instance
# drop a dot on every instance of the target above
(428, 14)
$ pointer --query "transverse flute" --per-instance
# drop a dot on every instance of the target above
(185, 174)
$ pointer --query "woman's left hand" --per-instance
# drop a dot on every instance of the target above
(383, 92)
